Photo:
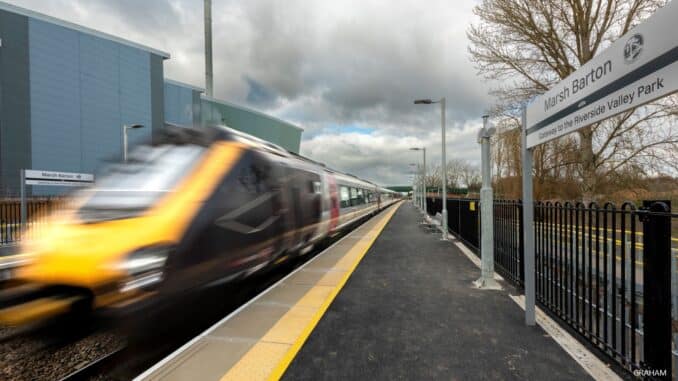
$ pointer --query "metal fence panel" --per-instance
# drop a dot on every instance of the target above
(591, 270)
(37, 211)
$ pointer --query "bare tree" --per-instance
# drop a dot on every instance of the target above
(470, 175)
(529, 45)
(460, 173)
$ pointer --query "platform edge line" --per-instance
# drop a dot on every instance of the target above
(287, 359)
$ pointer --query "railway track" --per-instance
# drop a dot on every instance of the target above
(96, 367)
(70, 356)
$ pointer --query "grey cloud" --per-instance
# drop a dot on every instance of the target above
(385, 158)
(318, 64)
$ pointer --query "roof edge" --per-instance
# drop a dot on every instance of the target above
(83, 29)
(225, 103)
(184, 84)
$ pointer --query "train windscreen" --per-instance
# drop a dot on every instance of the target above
(131, 187)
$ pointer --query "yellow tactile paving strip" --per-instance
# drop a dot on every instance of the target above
(262, 339)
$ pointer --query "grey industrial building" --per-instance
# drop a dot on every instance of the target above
(66, 91)
(187, 105)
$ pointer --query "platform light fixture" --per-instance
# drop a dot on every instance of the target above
(444, 158)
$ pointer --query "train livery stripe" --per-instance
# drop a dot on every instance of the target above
(271, 355)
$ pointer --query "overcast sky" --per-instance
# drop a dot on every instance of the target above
(344, 71)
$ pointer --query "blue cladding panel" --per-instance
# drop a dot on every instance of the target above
(99, 73)
(83, 89)
(55, 97)
(135, 93)
(178, 104)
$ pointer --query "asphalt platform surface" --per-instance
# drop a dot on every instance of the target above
(409, 312)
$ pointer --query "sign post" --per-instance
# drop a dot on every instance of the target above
(23, 199)
(636, 69)
(528, 233)
(50, 178)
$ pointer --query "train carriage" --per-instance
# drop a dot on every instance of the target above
(197, 207)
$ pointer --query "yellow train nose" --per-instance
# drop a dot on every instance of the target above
(36, 310)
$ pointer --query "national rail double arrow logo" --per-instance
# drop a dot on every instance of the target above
(633, 48)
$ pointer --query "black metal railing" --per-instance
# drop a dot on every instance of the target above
(508, 240)
(586, 273)
(603, 270)
(36, 212)
(463, 218)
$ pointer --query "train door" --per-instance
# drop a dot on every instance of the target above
(298, 215)
(305, 196)
(334, 203)
(313, 212)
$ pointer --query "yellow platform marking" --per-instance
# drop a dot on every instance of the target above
(315, 297)
(269, 358)
(258, 363)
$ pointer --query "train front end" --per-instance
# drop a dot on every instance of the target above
(112, 247)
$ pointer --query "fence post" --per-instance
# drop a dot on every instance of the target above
(657, 288)
(521, 244)
(23, 198)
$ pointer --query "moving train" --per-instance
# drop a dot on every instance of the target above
(195, 208)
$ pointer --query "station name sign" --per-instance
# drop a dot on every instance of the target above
(69, 179)
(636, 69)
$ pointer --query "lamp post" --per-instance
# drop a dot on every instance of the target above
(124, 138)
(416, 198)
(423, 149)
(486, 280)
(444, 159)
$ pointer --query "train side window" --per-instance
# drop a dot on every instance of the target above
(354, 196)
(360, 197)
(317, 188)
(345, 198)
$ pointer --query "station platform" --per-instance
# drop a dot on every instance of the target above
(390, 300)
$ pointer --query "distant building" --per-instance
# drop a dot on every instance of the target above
(66, 91)
(186, 105)
(182, 103)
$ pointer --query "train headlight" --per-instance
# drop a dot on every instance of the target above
(145, 267)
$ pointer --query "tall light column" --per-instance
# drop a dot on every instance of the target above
(425, 211)
(444, 158)
(209, 85)
(486, 280)
(444, 167)
(415, 186)
(423, 203)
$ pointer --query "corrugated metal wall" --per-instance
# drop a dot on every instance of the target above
(70, 93)
(179, 104)
(15, 131)
(252, 122)
(82, 90)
